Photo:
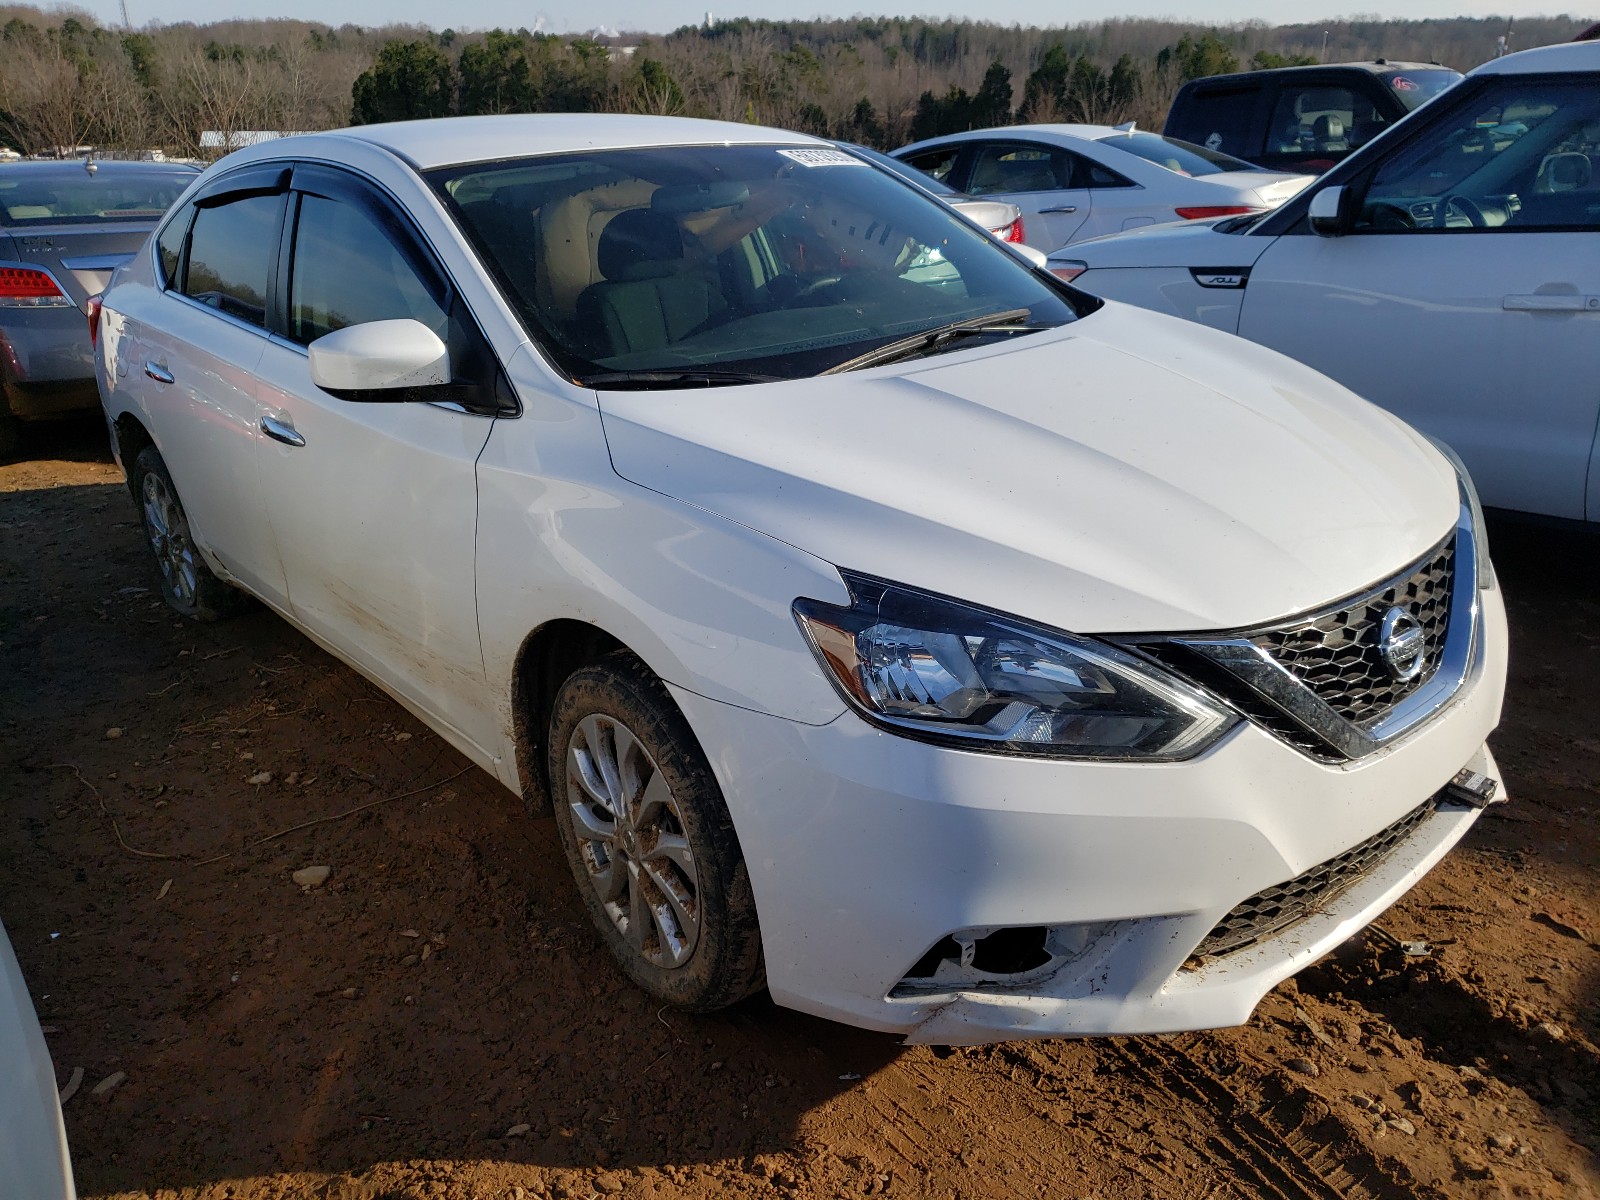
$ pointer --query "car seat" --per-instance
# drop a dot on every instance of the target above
(649, 296)
(1569, 172)
(1328, 132)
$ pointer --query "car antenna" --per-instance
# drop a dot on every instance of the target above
(1127, 127)
(89, 164)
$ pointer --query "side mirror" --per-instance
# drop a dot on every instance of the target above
(1035, 257)
(1326, 213)
(380, 360)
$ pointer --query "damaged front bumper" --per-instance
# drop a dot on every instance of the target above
(955, 897)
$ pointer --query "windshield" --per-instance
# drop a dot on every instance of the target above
(72, 196)
(1415, 88)
(731, 262)
(1185, 158)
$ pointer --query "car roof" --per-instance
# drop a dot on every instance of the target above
(449, 140)
(1375, 66)
(1565, 56)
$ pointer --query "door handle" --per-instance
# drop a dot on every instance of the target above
(1551, 303)
(281, 431)
(157, 372)
(1064, 208)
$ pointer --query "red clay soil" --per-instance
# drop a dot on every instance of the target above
(438, 1020)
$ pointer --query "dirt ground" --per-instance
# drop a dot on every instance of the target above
(438, 1021)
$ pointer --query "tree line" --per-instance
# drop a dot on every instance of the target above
(66, 81)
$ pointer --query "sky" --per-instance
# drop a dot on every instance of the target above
(659, 16)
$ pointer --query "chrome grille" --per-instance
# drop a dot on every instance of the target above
(1274, 909)
(1335, 653)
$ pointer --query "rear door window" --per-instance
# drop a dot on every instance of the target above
(937, 163)
(1322, 121)
(232, 249)
(1001, 167)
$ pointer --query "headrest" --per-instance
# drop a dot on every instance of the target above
(1328, 126)
(1567, 172)
(638, 244)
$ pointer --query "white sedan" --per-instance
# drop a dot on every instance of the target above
(881, 619)
(34, 1162)
(1081, 181)
(1448, 271)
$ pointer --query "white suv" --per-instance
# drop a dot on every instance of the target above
(1448, 271)
(879, 617)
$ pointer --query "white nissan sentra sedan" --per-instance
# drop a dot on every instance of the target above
(882, 619)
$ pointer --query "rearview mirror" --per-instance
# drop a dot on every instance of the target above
(380, 360)
(1326, 214)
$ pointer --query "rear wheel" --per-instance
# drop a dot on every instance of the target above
(649, 838)
(187, 584)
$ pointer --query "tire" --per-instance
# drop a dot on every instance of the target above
(667, 885)
(187, 584)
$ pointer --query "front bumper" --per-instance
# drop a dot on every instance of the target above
(865, 849)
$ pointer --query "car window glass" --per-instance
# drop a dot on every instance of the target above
(169, 245)
(1097, 176)
(1416, 88)
(1522, 155)
(1322, 120)
(1008, 168)
(78, 197)
(937, 163)
(347, 270)
(1221, 119)
(782, 261)
(231, 252)
(1181, 158)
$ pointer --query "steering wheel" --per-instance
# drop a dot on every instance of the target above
(1467, 208)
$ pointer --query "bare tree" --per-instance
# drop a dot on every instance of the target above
(40, 100)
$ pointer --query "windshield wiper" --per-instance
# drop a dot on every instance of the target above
(686, 378)
(1013, 320)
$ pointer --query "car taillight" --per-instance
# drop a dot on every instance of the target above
(91, 309)
(29, 287)
(1215, 210)
(1013, 232)
(1069, 270)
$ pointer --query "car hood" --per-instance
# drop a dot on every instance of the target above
(1180, 244)
(1128, 473)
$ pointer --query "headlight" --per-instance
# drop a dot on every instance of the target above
(949, 672)
(1469, 497)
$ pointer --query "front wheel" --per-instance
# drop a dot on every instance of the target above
(649, 838)
(187, 584)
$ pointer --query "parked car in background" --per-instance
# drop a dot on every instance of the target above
(1302, 118)
(34, 1161)
(954, 652)
(1000, 218)
(1080, 181)
(1450, 273)
(64, 226)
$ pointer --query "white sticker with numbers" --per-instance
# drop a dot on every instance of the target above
(823, 158)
